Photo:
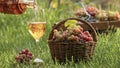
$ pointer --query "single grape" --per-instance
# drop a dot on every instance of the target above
(87, 33)
(23, 51)
(76, 38)
(71, 37)
(26, 50)
(30, 54)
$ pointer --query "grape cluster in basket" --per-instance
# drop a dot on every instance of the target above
(72, 34)
(24, 56)
(98, 15)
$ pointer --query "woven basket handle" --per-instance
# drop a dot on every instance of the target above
(94, 34)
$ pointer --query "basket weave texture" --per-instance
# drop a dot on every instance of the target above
(70, 50)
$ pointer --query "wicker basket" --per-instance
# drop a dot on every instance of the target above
(76, 51)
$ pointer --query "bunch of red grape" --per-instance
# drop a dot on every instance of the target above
(86, 36)
(73, 34)
(92, 11)
(24, 56)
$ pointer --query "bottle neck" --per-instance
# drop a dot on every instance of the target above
(28, 3)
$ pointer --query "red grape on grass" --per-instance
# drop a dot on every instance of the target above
(24, 56)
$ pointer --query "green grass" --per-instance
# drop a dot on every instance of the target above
(14, 36)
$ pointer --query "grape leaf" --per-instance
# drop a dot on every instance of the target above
(70, 23)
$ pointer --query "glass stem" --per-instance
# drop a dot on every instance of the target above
(37, 44)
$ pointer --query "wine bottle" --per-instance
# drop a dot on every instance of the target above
(15, 6)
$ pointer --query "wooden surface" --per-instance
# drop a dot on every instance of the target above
(103, 25)
(114, 23)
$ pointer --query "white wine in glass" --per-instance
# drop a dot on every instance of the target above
(37, 30)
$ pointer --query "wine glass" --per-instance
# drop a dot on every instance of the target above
(37, 30)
